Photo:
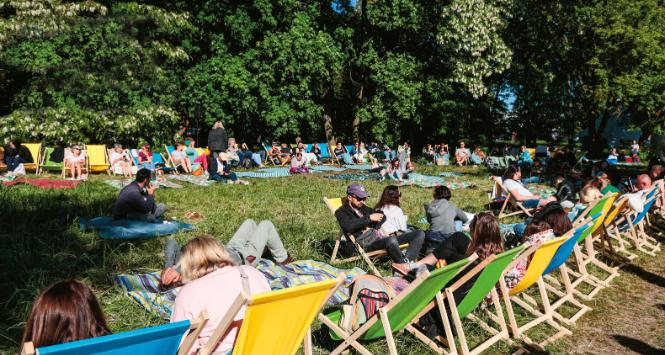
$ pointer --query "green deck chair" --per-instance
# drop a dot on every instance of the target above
(489, 272)
(47, 164)
(399, 314)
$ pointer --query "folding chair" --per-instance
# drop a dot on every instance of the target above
(612, 232)
(193, 154)
(636, 233)
(98, 159)
(46, 164)
(500, 190)
(162, 339)
(487, 273)
(169, 149)
(268, 157)
(132, 165)
(36, 152)
(333, 204)
(275, 322)
(326, 153)
(331, 153)
(423, 294)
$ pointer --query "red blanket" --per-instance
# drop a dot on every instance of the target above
(45, 183)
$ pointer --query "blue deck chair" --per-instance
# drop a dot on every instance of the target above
(160, 340)
(157, 158)
(193, 154)
(635, 231)
(169, 149)
(325, 152)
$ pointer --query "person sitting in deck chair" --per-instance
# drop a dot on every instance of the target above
(512, 182)
(74, 162)
(462, 154)
(341, 153)
(285, 154)
(17, 154)
(65, 311)
(364, 223)
(298, 165)
(180, 157)
(120, 162)
(137, 200)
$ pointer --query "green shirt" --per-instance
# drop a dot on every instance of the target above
(610, 188)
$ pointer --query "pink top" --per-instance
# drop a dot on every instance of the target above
(215, 293)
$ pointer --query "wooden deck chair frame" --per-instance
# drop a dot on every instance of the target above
(333, 158)
(86, 164)
(588, 256)
(243, 300)
(170, 161)
(383, 316)
(497, 317)
(104, 151)
(42, 161)
(195, 328)
(636, 233)
(362, 254)
(520, 209)
(268, 159)
(611, 233)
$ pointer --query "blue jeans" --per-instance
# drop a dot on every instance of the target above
(257, 159)
(530, 203)
(231, 176)
(346, 158)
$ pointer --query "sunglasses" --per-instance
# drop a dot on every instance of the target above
(360, 199)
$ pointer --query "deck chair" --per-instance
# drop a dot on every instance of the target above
(422, 295)
(162, 339)
(86, 166)
(588, 256)
(559, 262)
(193, 154)
(36, 152)
(333, 204)
(500, 190)
(98, 159)
(613, 239)
(275, 322)
(46, 164)
(484, 277)
(132, 164)
(268, 160)
(3, 166)
(636, 233)
(168, 149)
(541, 256)
(327, 154)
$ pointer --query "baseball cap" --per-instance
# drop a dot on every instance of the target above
(357, 190)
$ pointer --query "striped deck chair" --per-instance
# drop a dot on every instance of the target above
(275, 322)
(36, 152)
(193, 154)
(162, 339)
(484, 277)
(98, 159)
(500, 190)
(423, 294)
(47, 164)
(333, 204)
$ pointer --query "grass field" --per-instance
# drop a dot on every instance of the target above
(41, 242)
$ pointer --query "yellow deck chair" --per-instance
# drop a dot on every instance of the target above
(333, 204)
(276, 322)
(611, 232)
(541, 258)
(532, 152)
(98, 159)
(36, 152)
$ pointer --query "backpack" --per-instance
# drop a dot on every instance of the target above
(369, 293)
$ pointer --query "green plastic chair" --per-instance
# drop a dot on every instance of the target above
(489, 271)
(47, 164)
(399, 314)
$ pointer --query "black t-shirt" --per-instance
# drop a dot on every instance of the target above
(339, 151)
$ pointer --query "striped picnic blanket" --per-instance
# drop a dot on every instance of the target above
(265, 173)
(352, 176)
(144, 288)
(163, 183)
(326, 168)
(358, 166)
(201, 180)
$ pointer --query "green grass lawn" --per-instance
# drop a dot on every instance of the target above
(41, 242)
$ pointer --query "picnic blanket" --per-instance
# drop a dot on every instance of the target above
(4, 178)
(144, 288)
(326, 168)
(543, 191)
(265, 173)
(354, 176)
(45, 183)
(451, 174)
(358, 166)
(160, 183)
(201, 180)
(416, 179)
(107, 227)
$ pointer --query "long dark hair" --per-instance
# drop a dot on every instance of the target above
(485, 236)
(559, 221)
(390, 196)
(65, 311)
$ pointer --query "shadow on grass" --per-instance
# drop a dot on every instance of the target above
(661, 306)
(41, 245)
(637, 346)
(645, 275)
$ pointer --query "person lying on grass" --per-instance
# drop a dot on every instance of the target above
(180, 157)
(212, 281)
(245, 248)
(64, 312)
(137, 200)
(364, 223)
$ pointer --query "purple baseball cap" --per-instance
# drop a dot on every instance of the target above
(357, 190)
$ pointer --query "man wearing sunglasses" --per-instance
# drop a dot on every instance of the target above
(364, 223)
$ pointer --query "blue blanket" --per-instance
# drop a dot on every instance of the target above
(107, 227)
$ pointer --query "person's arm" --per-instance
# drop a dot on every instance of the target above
(351, 224)
(460, 215)
(521, 198)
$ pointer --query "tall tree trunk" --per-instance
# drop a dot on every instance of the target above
(328, 128)
(356, 119)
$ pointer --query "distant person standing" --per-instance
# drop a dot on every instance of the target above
(217, 139)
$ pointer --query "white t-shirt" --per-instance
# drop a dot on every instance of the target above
(395, 219)
(462, 152)
(511, 185)
(115, 155)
